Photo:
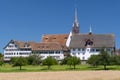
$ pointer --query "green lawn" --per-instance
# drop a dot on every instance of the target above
(29, 68)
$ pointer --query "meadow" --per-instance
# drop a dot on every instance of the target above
(30, 68)
(59, 72)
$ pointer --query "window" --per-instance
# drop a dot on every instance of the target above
(97, 50)
(83, 49)
(79, 49)
(43, 46)
(54, 38)
(108, 49)
(74, 53)
(8, 53)
(89, 42)
(88, 50)
(41, 52)
(73, 49)
(51, 52)
(92, 50)
(65, 37)
(57, 52)
(83, 53)
(45, 52)
(26, 45)
(46, 38)
(83, 58)
(47, 46)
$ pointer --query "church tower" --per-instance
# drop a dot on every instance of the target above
(75, 28)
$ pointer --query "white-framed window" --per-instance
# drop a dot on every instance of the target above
(83, 53)
(73, 53)
(73, 49)
(79, 49)
(83, 58)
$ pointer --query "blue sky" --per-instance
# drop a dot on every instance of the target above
(28, 20)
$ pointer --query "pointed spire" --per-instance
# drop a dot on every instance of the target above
(76, 24)
(76, 18)
(90, 32)
(90, 29)
(75, 29)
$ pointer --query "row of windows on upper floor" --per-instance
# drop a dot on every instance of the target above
(51, 52)
(56, 57)
(83, 53)
(17, 53)
(17, 49)
(90, 50)
(47, 52)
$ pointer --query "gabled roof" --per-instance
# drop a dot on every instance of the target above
(20, 44)
(37, 46)
(99, 40)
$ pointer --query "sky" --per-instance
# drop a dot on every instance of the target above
(29, 20)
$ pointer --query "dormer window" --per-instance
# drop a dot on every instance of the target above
(89, 42)
(65, 37)
(46, 38)
(12, 42)
(26, 45)
(54, 38)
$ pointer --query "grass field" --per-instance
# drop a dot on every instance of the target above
(29, 68)
(82, 72)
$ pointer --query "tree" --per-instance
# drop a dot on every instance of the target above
(69, 61)
(104, 58)
(67, 56)
(93, 60)
(13, 60)
(34, 59)
(64, 61)
(1, 59)
(20, 61)
(49, 61)
(73, 61)
(115, 60)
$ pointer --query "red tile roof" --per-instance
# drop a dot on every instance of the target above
(60, 38)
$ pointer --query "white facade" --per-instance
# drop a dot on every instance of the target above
(85, 53)
(14, 49)
(11, 50)
(58, 55)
